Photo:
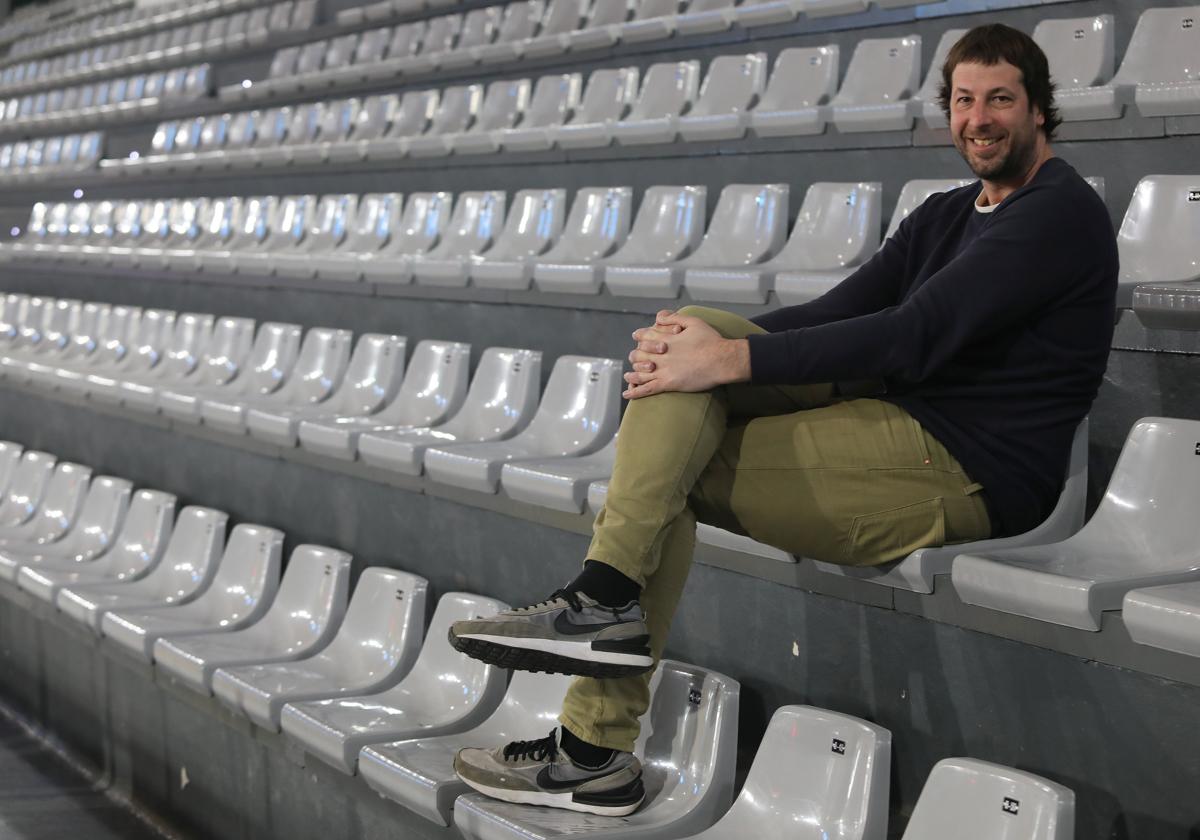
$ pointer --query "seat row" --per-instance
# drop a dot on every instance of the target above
(129, 19)
(201, 40)
(30, 160)
(488, 437)
(358, 683)
(744, 253)
(108, 101)
(882, 89)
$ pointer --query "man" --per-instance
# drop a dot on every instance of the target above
(987, 318)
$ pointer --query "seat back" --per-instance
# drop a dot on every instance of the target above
(610, 12)
(425, 218)
(384, 625)
(479, 27)
(101, 227)
(224, 219)
(597, 225)
(580, 408)
(928, 92)
(609, 95)
(457, 110)
(272, 127)
(406, 39)
(227, 351)
(504, 103)
(668, 89)
(128, 226)
(60, 504)
(188, 343)
(311, 600)
(291, 223)
(964, 796)
(838, 225)
(183, 219)
(914, 193)
(162, 142)
(26, 488)
(1082, 51)
(271, 360)
(646, 9)
(441, 34)
(187, 137)
(668, 227)
(78, 220)
(327, 224)
(305, 123)
(374, 115)
(371, 45)
(242, 127)
(881, 70)
(749, 225)
(415, 113)
(535, 221)
(803, 77)
(100, 516)
(373, 221)
(143, 536)
(1159, 239)
(341, 50)
(477, 218)
(191, 555)
(520, 21)
(10, 457)
(319, 369)
(147, 344)
(1163, 48)
(434, 385)
(733, 84)
(503, 395)
(562, 16)
(257, 215)
(310, 58)
(338, 119)
(372, 377)
(554, 99)
(247, 576)
(438, 658)
(820, 773)
(214, 133)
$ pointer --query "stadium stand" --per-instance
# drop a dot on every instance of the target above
(351, 284)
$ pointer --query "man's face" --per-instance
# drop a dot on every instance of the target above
(991, 121)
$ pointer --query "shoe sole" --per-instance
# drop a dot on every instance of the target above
(567, 801)
(550, 657)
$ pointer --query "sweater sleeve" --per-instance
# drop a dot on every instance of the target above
(1029, 254)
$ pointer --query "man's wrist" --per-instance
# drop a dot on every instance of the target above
(737, 360)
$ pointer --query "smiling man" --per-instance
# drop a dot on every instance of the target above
(984, 324)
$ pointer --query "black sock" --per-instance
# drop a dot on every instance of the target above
(604, 583)
(584, 754)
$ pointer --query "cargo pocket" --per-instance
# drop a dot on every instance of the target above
(892, 534)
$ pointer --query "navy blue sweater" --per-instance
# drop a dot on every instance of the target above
(991, 329)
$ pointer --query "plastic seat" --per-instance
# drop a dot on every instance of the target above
(687, 747)
(826, 8)
(232, 376)
(131, 553)
(412, 117)
(596, 227)
(367, 230)
(369, 381)
(500, 401)
(1164, 617)
(252, 220)
(303, 617)
(432, 390)
(304, 124)
(1139, 536)
(374, 648)
(558, 483)
(444, 692)
(1159, 234)
(1169, 306)
(554, 99)
(458, 108)
(326, 232)
(798, 93)
(521, 21)
(422, 225)
(990, 802)
(435, 40)
(733, 85)
(924, 103)
(215, 354)
(751, 13)
(578, 414)
(1082, 53)
(337, 119)
(145, 350)
(185, 570)
(181, 356)
(917, 571)
(477, 219)
(800, 287)
(245, 582)
(419, 773)
(668, 90)
(837, 226)
(110, 343)
(371, 121)
(748, 227)
(652, 20)
(99, 518)
(319, 366)
(56, 514)
(503, 106)
(560, 19)
(608, 96)
(534, 222)
(479, 28)
(10, 456)
(817, 774)
(883, 75)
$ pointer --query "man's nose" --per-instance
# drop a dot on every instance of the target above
(979, 114)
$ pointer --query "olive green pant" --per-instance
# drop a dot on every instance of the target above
(850, 481)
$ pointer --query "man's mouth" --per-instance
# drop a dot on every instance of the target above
(984, 142)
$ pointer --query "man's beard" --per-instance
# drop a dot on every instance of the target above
(1015, 164)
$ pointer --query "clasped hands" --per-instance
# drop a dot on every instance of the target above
(683, 353)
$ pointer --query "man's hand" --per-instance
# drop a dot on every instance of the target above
(682, 353)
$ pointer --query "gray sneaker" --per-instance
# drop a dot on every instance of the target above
(541, 773)
(568, 634)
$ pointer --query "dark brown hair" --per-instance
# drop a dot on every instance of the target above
(993, 43)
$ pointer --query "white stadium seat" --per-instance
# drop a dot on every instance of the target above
(597, 225)
(883, 75)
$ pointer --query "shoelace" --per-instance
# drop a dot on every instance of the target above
(572, 599)
(538, 749)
